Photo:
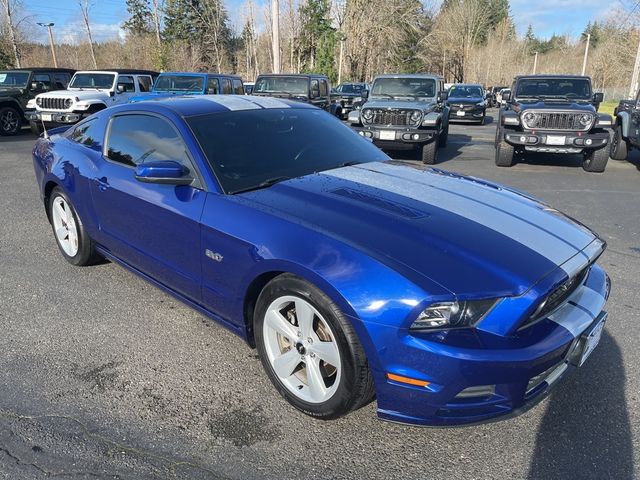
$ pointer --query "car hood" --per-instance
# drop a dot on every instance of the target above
(84, 94)
(470, 236)
(465, 100)
(554, 105)
(10, 92)
(400, 104)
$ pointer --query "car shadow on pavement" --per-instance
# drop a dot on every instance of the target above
(586, 432)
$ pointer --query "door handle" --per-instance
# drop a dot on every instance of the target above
(103, 184)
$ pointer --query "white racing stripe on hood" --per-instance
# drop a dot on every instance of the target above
(577, 319)
(542, 232)
(268, 102)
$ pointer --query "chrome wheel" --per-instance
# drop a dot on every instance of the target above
(64, 226)
(9, 121)
(302, 349)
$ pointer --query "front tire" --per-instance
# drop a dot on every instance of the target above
(595, 161)
(619, 146)
(430, 152)
(73, 241)
(309, 349)
(10, 121)
(504, 154)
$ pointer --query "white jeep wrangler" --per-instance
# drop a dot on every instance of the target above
(87, 93)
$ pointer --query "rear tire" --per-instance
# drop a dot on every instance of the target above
(595, 161)
(504, 154)
(430, 152)
(10, 121)
(619, 146)
(314, 359)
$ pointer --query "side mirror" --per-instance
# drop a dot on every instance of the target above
(442, 96)
(166, 172)
(37, 86)
(364, 94)
(506, 97)
(598, 97)
(315, 92)
(120, 88)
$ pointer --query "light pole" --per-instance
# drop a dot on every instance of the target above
(53, 48)
(535, 63)
(586, 54)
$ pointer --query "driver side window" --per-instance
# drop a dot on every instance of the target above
(137, 138)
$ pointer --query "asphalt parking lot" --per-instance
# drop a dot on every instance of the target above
(104, 376)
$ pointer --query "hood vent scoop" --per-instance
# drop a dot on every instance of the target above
(380, 203)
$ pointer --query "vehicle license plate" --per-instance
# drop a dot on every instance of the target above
(555, 140)
(47, 117)
(460, 113)
(387, 135)
(592, 338)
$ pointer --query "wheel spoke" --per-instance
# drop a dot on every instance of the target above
(60, 211)
(277, 322)
(285, 364)
(315, 382)
(73, 241)
(61, 233)
(326, 351)
(305, 315)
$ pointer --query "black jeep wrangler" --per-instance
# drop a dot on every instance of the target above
(17, 87)
(553, 114)
(626, 135)
(308, 88)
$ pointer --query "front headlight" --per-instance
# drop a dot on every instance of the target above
(585, 120)
(367, 114)
(416, 116)
(453, 314)
(38, 101)
(530, 119)
(68, 102)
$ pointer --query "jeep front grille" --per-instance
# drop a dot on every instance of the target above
(556, 120)
(390, 117)
(557, 297)
(53, 103)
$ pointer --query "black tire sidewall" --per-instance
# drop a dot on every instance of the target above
(429, 152)
(85, 251)
(345, 398)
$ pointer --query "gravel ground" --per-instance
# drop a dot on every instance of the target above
(104, 376)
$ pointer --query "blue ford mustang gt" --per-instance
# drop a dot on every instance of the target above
(450, 299)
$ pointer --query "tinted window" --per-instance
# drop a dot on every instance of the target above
(237, 87)
(144, 84)
(126, 82)
(462, 91)
(86, 133)
(226, 86)
(315, 87)
(42, 78)
(324, 88)
(404, 87)
(284, 143)
(61, 80)
(350, 88)
(295, 85)
(92, 80)
(179, 83)
(134, 139)
(14, 79)
(554, 87)
(212, 86)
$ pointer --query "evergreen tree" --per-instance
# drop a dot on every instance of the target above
(183, 20)
(318, 38)
(140, 18)
(595, 30)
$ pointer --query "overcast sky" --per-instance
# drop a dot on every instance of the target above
(546, 16)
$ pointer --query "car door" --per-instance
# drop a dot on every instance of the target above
(153, 227)
(125, 89)
(213, 87)
(226, 86)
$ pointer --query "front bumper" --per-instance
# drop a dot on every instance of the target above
(397, 137)
(475, 385)
(53, 118)
(557, 142)
(457, 115)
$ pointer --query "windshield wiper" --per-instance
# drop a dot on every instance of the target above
(383, 95)
(265, 184)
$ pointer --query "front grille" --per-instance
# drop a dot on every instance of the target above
(53, 103)
(556, 121)
(389, 117)
(464, 108)
(557, 297)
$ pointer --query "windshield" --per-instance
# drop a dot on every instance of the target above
(292, 85)
(461, 91)
(14, 79)
(92, 80)
(285, 143)
(579, 88)
(179, 83)
(404, 87)
(350, 88)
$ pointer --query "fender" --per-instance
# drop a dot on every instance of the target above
(624, 120)
(509, 118)
(11, 102)
(335, 109)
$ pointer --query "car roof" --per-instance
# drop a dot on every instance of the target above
(193, 105)
(201, 74)
(301, 75)
(40, 69)
(131, 71)
(541, 76)
(467, 85)
(410, 75)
